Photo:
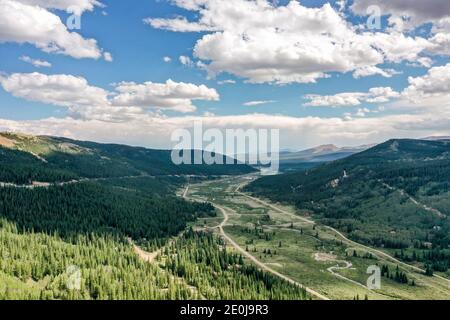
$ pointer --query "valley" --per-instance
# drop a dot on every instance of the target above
(288, 243)
(106, 217)
(136, 227)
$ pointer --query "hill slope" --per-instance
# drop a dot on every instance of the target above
(394, 195)
(97, 202)
(29, 158)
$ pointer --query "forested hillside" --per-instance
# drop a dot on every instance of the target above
(395, 195)
(49, 159)
(40, 266)
(70, 206)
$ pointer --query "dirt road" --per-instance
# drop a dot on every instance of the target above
(342, 236)
(259, 263)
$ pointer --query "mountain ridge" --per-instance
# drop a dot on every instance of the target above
(395, 195)
(50, 159)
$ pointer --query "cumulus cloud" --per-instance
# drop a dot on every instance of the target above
(35, 62)
(258, 102)
(372, 70)
(60, 90)
(374, 95)
(179, 24)
(129, 99)
(264, 43)
(29, 23)
(432, 89)
(186, 61)
(167, 59)
(409, 13)
(177, 96)
(71, 6)
(361, 112)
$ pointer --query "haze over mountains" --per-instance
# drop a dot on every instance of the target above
(321, 153)
(331, 152)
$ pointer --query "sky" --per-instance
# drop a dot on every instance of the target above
(343, 72)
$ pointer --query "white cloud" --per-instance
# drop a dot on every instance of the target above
(129, 99)
(108, 56)
(23, 23)
(374, 95)
(409, 13)
(154, 131)
(432, 89)
(61, 90)
(71, 6)
(422, 62)
(362, 112)
(372, 70)
(179, 24)
(257, 103)
(36, 62)
(167, 59)
(177, 96)
(186, 61)
(263, 43)
(340, 99)
(227, 81)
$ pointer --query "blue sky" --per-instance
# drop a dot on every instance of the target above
(138, 49)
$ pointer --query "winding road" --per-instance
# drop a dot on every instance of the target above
(250, 256)
(342, 236)
(259, 263)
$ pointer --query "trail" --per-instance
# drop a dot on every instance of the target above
(343, 237)
(348, 265)
(259, 263)
(385, 255)
(416, 202)
(39, 184)
(292, 215)
(144, 255)
(185, 192)
(251, 257)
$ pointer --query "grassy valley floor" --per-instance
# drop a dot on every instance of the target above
(316, 256)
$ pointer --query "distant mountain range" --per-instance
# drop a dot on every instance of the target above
(323, 153)
(331, 152)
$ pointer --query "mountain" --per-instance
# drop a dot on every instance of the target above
(27, 158)
(53, 184)
(321, 153)
(76, 217)
(393, 195)
(313, 157)
(290, 160)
